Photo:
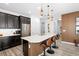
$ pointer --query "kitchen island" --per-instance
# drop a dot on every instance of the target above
(31, 44)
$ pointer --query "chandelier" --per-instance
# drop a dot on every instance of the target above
(47, 14)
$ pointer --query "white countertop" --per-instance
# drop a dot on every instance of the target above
(38, 38)
(10, 35)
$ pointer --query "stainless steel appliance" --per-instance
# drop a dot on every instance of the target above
(25, 30)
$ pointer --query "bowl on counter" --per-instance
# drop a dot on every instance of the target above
(1, 34)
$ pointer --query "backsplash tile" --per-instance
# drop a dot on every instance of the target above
(5, 32)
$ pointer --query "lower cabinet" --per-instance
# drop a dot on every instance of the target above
(0, 44)
(5, 43)
(8, 42)
(25, 48)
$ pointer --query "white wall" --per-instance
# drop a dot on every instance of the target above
(13, 13)
(35, 25)
(46, 25)
(9, 12)
(51, 26)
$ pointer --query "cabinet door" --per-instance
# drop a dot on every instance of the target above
(28, 20)
(17, 40)
(5, 43)
(16, 22)
(8, 42)
(10, 21)
(2, 20)
(25, 47)
(14, 41)
(23, 20)
(0, 44)
(11, 41)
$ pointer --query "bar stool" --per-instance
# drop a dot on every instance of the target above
(43, 44)
(49, 42)
(55, 38)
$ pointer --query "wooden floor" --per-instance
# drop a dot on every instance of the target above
(63, 50)
(15, 51)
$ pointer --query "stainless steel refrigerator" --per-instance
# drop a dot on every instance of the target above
(25, 30)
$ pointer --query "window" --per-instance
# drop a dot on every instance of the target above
(77, 25)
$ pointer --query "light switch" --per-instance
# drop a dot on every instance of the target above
(64, 30)
(29, 45)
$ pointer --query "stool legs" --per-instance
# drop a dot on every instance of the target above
(55, 46)
(50, 51)
(76, 44)
(44, 52)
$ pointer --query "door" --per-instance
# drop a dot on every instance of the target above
(25, 30)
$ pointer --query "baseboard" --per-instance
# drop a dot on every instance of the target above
(68, 43)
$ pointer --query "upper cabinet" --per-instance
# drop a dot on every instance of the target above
(2, 20)
(25, 20)
(12, 21)
(16, 22)
(9, 21)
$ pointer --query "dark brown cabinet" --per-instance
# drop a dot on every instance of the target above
(25, 48)
(5, 43)
(16, 40)
(9, 21)
(12, 21)
(2, 20)
(8, 42)
(22, 20)
(25, 20)
(0, 44)
(16, 22)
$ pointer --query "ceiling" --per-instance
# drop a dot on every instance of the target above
(34, 8)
